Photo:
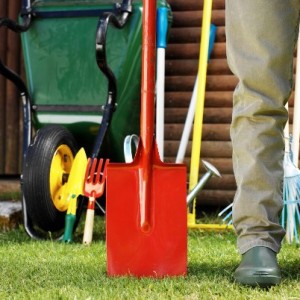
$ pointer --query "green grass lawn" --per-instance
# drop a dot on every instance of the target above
(53, 270)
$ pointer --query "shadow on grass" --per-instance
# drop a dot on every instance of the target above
(212, 270)
(290, 269)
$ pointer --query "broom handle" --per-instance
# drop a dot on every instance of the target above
(290, 224)
(296, 122)
(286, 133)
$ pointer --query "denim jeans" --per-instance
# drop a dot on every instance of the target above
(260, 42)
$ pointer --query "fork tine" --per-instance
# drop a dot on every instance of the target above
(98, 174)
(105, 169)
(92, 171)
(87, 170)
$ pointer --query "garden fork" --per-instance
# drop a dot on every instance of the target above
(94, 184)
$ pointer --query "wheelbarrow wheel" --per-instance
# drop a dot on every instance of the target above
(47, 165)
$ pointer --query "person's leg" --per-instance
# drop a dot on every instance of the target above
(261, 36)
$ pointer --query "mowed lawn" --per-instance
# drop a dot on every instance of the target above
(33, 269)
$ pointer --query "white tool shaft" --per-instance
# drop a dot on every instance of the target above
(160, 101)
(88, 227)
(187, 125)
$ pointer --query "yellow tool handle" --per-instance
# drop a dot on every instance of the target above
(202, 70)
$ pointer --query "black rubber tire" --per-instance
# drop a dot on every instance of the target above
(36, 176)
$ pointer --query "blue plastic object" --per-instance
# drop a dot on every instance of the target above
(162, 27)
(212, 38)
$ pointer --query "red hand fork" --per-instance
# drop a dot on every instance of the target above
(94, 184)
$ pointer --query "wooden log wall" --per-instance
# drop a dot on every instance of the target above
(10, 123)
(181, 70)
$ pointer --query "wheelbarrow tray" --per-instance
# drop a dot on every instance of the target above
(64, 81)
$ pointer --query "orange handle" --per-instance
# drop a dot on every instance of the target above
(147, 110)
(148, 73)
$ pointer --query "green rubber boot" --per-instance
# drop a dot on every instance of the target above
(259, 267)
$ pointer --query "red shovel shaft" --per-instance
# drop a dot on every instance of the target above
(148, 74)
(147, 109)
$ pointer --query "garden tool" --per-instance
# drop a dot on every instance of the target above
(211, 171)
(73, 189)
(227, 217)
(130, 141)
(94, 183)
(291, 191)
(191, 111)
(296, 114)
(146, 221)
(291, 198)
(198, 120)
(161, 44)
(294, 207)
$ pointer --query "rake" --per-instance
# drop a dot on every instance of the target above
(94, 184)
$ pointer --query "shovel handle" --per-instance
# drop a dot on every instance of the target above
(148, 73)
(147, 106)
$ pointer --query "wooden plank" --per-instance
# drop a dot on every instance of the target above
(212, 98)
(224, 166)
(219, 50)
(181, 35)
(12, 104)
(213, 83)
(210, 132)
(190, 67)
(191, 51)
(219, 198)
(211, 115)
(213, 149)
(226, 182)
(194, 18)
(3, 34)
(193, 4)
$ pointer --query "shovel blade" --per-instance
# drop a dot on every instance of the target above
(161, 251)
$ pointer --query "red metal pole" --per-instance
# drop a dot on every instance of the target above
(148, 73)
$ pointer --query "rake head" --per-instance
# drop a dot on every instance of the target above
(95, 176)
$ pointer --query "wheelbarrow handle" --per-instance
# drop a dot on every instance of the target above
(118, 19)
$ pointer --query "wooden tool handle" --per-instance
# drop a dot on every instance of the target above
(88, 227)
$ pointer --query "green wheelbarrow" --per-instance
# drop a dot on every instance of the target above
(83, 65)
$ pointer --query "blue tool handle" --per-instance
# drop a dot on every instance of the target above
(162, 27)
(212, 38)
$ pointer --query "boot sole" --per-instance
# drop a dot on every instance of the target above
(261, 281)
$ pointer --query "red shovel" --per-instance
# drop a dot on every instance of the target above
(146, 222)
